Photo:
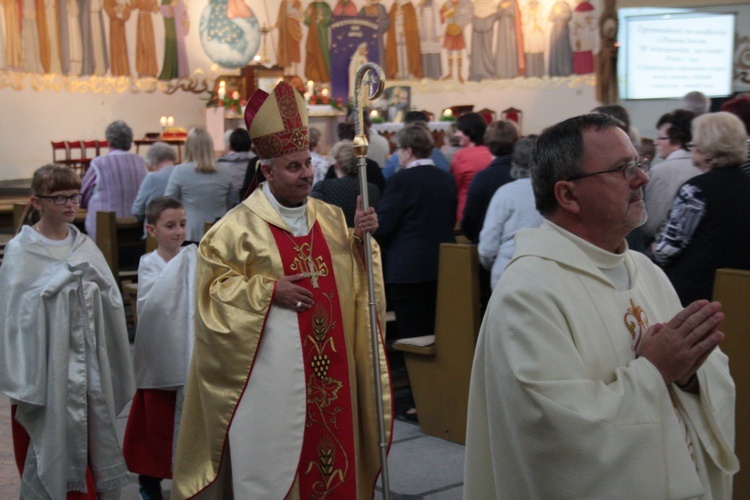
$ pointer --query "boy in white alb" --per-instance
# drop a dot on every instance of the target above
(163, 345)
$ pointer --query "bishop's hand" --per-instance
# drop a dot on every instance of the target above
(292, 296)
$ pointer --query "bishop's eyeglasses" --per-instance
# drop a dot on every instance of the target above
(629, 170)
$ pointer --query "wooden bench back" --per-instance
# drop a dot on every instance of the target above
(439, 375)
(111, 234)
(732, 289)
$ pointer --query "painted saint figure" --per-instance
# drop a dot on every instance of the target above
(429, 39)
(374, 9)
(345, 8)
(98, 38)
(402, 52)
(145, 44)
(532, 19)
(584, 38)
(41, 26)
(481, 59)
(75, 39)
(509, 53)
(176, 26)
(317, 46)
(13, 44)
(560, 51)
(455, 14)
(289, 24)
(119, 14)
(31, 58)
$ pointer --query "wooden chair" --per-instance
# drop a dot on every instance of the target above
(488, 115)
(732, 289)
(439, 365)
(60, 148)
(91, 149)
(513, 115)
(77, 157)
(18, 213)
(430, 115)
(101, 146)
(462, 109)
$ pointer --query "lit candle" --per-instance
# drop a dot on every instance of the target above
(163, 121)
(447, 112)
(222, 91)
(170, 121)
(324, 92)
(374, 113)
(310, 87)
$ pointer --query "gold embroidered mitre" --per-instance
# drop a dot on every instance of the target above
(277, 122)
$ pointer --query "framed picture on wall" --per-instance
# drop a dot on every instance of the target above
(395, 103)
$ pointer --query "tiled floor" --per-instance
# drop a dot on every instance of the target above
(420, 466)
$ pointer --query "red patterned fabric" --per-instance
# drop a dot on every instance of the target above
(327, 467)
(292, 138)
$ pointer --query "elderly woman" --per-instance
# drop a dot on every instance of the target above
(471, 158)
(161, 158)
(511, 209)
(709, 224)
(111, 182)
(205, 192)
(417, 213)
(344, 189)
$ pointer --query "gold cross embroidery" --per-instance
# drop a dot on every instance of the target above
(310, 269)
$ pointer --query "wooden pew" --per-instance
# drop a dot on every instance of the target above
(732, 289)
(112, 234)
(439, 372)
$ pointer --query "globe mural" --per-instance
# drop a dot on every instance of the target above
(231, 43)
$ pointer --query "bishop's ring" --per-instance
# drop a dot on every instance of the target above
(298, 304)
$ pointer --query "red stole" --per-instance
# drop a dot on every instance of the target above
(327, 461)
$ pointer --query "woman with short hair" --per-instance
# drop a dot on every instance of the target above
(709, 224)
(471, 158)
(344, 189)
(111, 182)
(205, 192)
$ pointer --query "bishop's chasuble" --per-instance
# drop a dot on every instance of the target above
(280, 403)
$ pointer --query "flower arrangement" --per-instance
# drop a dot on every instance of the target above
(231, 103)
(325, 99)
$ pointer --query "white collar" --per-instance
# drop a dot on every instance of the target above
(421, 161)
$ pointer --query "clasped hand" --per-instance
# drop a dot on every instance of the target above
(680, 346)
(293, 296)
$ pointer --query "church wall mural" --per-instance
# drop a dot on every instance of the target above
(70, 67)
(182, 45)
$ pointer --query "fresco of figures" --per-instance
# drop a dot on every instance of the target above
(318, 40)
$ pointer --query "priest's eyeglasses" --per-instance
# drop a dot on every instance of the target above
(62, 199)
(629, 170)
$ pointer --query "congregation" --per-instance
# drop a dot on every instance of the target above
(254, 305)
